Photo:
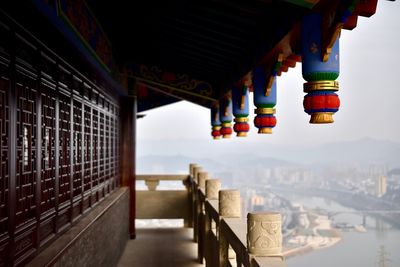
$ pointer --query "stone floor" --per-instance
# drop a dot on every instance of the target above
(161, 247)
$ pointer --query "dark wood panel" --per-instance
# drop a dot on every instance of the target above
(94, 151)
(4, 164)
(26, 93)
(46, 230)
(64, 149)
(63, 217)
(87, 173)
(48, 127)
(4, 171)
(78, 150)
(4, 252)
(76, 210)
(24, 241)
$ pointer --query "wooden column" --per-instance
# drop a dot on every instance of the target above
(128, 155)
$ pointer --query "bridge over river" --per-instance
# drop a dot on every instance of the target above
(360, 203)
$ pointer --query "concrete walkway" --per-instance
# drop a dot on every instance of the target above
(161, 247)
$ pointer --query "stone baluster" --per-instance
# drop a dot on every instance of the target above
(152, 184)
(264, 234)
(229, 207)
(196, 171)
(191, 168)
(202, 178)
(212, 188)
(229, 203)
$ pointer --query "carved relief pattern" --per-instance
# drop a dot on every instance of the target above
(264, 234)
(229, 203)
(180, 81)
(80, 17)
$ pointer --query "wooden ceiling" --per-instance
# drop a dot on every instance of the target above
(216, 41)
(194, 50)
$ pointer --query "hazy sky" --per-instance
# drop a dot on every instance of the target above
(369, 93)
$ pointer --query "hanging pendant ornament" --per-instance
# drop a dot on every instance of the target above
(225, 116)
(320, 72)
(240, 102)
(215, 122)
(265, 100)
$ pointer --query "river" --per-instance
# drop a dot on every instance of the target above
(355, 248)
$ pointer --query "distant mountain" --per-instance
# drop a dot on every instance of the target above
(161, 164)
(153, 164)
(254, 160)
(365, 151)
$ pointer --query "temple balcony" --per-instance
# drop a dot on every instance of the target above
(73, 84)
(206, 238)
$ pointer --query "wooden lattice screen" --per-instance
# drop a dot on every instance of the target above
(59, 146)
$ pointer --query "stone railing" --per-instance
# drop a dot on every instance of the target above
(223, 238)
(164, 204)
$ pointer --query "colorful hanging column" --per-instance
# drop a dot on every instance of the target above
(321, 102)
(225, 116)
(215, 122)
(265, 100)
(240, 102)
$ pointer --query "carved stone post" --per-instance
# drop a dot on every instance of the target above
(264, 234)
(191, 168)
(202, 177)
(212, 188)
(196, 171)
(229, 203)
(152, 184)
(229, 207)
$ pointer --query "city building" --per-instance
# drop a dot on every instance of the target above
(381, 185)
